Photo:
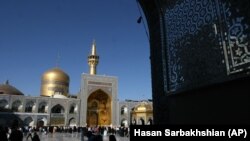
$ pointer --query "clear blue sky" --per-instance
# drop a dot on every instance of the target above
(32, 32)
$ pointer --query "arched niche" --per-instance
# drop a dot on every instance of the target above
(99, 109)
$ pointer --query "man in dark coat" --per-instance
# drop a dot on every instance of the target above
(16, 135)
(35, 137)
(3, 134)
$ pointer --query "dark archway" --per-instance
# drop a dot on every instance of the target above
(4, 104)
(72, 122)
(99, 109)
(29, 107)
(40, 123)
(16, 106)
(57, 109)
(42, 108)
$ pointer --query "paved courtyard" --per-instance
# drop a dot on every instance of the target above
(70, 137)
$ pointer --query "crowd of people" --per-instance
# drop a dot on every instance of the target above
(16, 133)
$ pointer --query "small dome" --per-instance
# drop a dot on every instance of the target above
(144, 106)
(55, 74)
(8, 89)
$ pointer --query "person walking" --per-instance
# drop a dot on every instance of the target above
(112, 137)
(35, 137)
(3, 134)
(29, 135)
(16, 135)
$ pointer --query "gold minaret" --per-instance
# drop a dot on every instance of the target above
(93, 60)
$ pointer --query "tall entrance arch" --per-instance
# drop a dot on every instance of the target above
(99, 109)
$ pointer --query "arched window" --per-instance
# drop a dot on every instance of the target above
(57, 109)
(42, 121)
(124, 110)
(4, 104)
(73, 109)
(124, 123)
(42, 108)
(16, 106)
(29, 107)
(72, 122)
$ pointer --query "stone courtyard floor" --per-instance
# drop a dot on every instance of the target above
(70, 137)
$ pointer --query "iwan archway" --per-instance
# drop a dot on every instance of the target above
(99, 109)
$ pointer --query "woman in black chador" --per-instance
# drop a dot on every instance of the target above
(16, 135)
(112, 138)
(35, 137)
(3, 134)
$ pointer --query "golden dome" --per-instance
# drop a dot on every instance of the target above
(55, 74)
(8, 89)
(55, 81)
(143, 106)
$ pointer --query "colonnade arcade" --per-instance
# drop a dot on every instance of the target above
(38, 113)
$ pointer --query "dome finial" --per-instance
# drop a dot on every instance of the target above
(58, 60)
(93, 51)
(7, 82)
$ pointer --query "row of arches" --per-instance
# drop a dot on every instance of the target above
(30, 107)
(29, 121)
(139, 121)
(139, 114)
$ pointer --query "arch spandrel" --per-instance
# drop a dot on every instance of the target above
(92, 89)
